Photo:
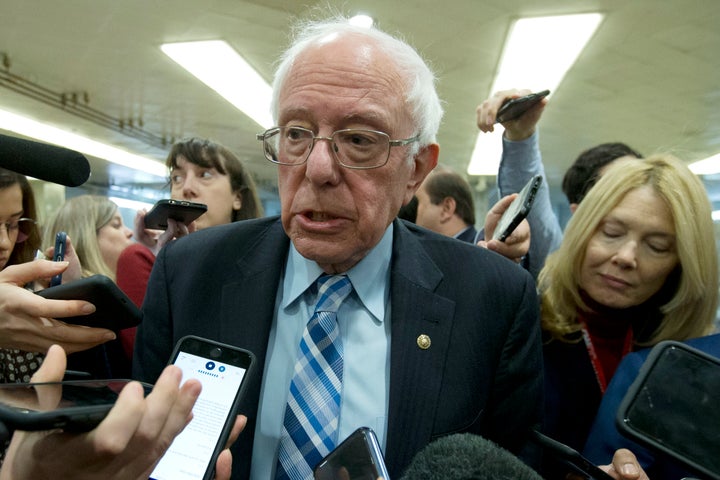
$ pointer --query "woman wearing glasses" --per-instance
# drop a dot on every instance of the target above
(19, 242)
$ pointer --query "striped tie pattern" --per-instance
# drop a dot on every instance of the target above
(313, 408)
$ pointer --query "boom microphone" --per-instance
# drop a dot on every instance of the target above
(46, 162)
(464, 456)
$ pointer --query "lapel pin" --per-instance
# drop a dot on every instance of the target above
(423, 341)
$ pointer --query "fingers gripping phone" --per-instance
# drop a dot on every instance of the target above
(358, 457)
(178, 210)
(113, 309)
(59, 256)
(515, 107)
(518, 209)
(222, 370)
(74, 406)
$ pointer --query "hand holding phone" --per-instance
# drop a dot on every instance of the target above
(113, 309)
(73, 406)
(178, 210)
(518, 209)
(222, 370)
(59, 256)
(515, 107)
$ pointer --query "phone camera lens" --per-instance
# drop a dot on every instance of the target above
(215, 352)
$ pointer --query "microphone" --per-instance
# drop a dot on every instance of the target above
(46, 162)
(464, 456)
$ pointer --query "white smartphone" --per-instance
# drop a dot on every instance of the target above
(222, 370)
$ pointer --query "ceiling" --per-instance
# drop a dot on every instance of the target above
(649, 77)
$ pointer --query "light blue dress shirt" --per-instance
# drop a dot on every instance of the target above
(364, 321)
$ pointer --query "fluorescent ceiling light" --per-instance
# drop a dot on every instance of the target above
(362, 20)
(219, 66)
(537, 54)
(56, 136)
(706, 167)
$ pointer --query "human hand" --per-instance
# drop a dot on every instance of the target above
(517, 245)
(28, 321)
(125, 445)
(625, 466)
(156, 239)
(74, 269)
(515, 130)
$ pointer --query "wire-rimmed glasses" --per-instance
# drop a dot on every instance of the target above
(352, 147)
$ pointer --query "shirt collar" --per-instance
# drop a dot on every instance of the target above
(369, 277)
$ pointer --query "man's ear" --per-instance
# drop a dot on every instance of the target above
(448, 205)
(423, 163)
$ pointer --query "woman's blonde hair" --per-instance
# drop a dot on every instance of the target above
(691, 308)
(81, 217)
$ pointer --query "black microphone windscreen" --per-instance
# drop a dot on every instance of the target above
(465, 456)
(45, 162)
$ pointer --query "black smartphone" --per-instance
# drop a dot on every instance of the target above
(59, 256)
(113, 309)
(74, 406)
(514, 108)
(222, 370)
(358, 457)
(578, 466)
(179, 210)
(518, 209)
(672, 407)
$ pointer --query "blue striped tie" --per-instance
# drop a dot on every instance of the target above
(313, 408)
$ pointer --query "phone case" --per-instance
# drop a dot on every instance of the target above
(672, 406)
(82, 404)
(515, 107)
(113, 309)
(179, 210)
(578, 464)
(518, 209)
(358, 457)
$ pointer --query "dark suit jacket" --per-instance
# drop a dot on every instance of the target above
(482, 373)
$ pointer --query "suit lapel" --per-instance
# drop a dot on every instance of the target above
(418, 315)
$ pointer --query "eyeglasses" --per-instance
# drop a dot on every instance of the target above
(21, 228)
(353, 148)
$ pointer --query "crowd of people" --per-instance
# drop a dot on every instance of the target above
(437, 336)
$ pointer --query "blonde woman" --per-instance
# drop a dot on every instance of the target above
(637, 265)
(98, 234)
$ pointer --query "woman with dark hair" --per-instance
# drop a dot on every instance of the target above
(200, 171)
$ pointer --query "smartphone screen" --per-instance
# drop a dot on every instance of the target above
(358, 457)
(59, 256)
(673, 406)
(221, 370)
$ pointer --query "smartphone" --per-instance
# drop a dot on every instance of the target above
(179, 210)
(672, 407)
(514, 108)
(59, 256)
(518, 209)
(113, 309)
(222, 370)
(578, 466)
(73, 406)
(358, 457)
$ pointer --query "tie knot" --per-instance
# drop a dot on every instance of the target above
(332, 290)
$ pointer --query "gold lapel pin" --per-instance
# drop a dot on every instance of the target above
(423, 341)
